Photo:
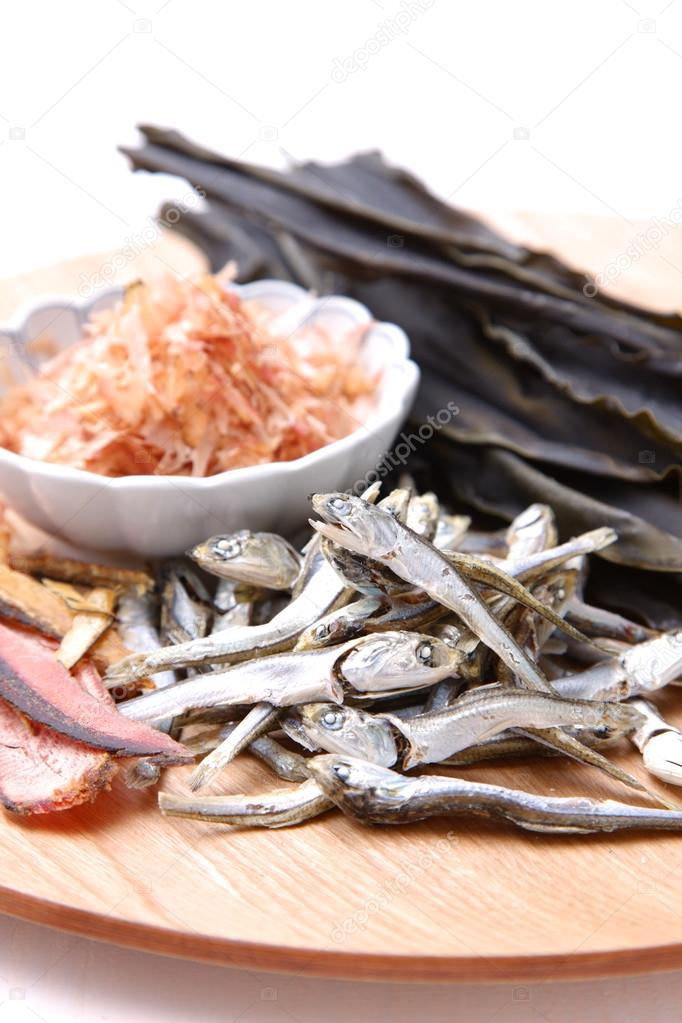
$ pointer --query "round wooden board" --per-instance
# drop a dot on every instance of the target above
(445, 900)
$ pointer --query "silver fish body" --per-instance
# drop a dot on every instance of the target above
(378, 795)
(479, 715)
(423, 515)
(638, 670)
(136, 617)
(450, 531)
(281, 680)
(531, 531)
(280, 809)
(259, 719)
(322, 592)
(340, 625)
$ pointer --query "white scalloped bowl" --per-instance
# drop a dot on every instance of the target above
(159, 516)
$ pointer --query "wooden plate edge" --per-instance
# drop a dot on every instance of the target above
(341, 965)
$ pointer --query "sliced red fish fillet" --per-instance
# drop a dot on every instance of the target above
(32, 681)
(41, 770)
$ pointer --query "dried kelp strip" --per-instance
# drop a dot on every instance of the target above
(368, 247)
(499, 482)
(562, 398)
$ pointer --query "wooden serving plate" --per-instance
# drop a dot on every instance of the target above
(445, 900)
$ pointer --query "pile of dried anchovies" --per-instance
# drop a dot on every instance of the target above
(401, 637)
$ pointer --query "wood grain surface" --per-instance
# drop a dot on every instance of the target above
(444, 900)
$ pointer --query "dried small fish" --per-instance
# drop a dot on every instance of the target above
(286, 764)
(391, 661)
(322, 592)
(258, 559)
(281, 809)
(339, 625)
(370, 531)
(423, 515)
(598, 621)
(136, 621)
(531, 531)
(185, 611)
(378, 795)
(660, 744)
(280, 679)
(82, 573)
(509, 744)
(481, 714)
(261, 718)
(451, 531)
(636, 670)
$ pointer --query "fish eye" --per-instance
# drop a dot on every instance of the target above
(341, 771)
(332, 719)
(602, 731)
(226, 548)
(321, 631)
(340, 506)
(425, 653)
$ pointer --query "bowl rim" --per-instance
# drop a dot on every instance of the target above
(397, 407)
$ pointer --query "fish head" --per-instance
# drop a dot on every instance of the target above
(396, 660)
(535, 523)
(343, 729)
(356, 525)
(397, 503)
(261, 559)
(423, 514)
(336, 628)
(355, 784)
(616, 720)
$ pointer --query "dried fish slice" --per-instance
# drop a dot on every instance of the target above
(36, 684)
(89, 623)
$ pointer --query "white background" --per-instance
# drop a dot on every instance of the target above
(594, 88)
